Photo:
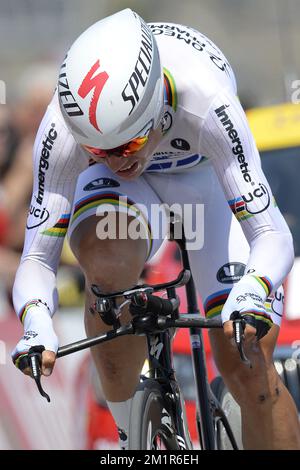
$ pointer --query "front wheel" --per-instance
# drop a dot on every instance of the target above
(151, 423)
(232, 412)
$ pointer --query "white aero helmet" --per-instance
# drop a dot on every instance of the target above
(111, 83)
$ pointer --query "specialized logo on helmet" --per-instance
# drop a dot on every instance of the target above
(97, 83)
(67, 100)
(138, 79)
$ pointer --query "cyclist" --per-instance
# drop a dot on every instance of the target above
(155, 107)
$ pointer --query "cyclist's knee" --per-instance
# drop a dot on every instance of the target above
(112, 263)
(116, 265)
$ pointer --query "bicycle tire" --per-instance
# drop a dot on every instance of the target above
(232, 412)
(151, 422)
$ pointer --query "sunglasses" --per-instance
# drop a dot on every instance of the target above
(125, 150)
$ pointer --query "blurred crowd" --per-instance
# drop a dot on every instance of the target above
(19, 121)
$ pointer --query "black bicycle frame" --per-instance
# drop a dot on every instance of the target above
(205, 420)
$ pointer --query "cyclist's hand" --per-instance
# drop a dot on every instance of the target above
(249, 331)
(247, 299)
(38, 331)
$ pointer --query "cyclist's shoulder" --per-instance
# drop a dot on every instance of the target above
(188, 46)
(181, 34)
(195, 68)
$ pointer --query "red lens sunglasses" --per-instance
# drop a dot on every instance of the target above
(124, 150)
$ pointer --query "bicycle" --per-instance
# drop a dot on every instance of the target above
(157, 419)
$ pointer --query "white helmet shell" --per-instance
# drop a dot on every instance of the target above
(111, 83)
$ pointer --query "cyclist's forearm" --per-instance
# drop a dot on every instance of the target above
(34, 285)
(35, 299)
(272, 255)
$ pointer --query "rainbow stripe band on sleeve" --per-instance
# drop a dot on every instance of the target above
(266, 283)
(260, 315)
(214, 303)
(27, 307)
(268, 305)
(17, 359)
(60, 228)
(238, 208)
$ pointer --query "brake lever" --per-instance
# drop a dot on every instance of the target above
(35, 361)
(238, 328)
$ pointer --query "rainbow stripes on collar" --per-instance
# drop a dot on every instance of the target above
(28, 306)
(170, 92)
(60, 228)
